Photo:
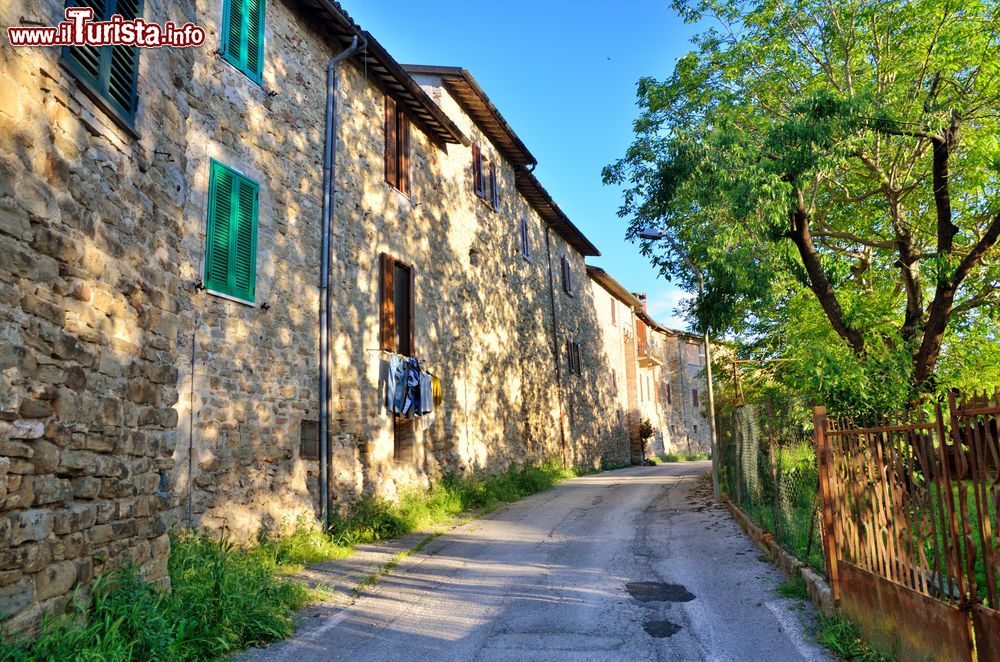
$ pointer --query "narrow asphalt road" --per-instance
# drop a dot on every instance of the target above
(634, 564)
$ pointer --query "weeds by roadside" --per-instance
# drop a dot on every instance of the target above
(679, 457)
(840, 637)
(845, 641)
(224, 597)
(373, 519)
(793, 589)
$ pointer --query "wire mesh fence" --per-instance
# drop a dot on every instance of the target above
(768, 469)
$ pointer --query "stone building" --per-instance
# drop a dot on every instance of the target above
(162, 295)
(657, 373)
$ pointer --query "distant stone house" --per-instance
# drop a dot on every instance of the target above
(657, 373)
(162, 332)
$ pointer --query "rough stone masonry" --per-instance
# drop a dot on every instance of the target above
(135, 401)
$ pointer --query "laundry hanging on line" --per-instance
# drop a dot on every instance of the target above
(409, 389)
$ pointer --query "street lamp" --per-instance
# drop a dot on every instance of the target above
(656, 234)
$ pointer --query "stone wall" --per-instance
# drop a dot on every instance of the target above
(616, 352)
(247, 374)
(90, 226)
(688, 424)
(133, 401)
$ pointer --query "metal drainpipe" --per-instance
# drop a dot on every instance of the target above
(555, 344)
(326, 321)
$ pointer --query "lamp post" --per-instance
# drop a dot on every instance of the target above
(656, 234)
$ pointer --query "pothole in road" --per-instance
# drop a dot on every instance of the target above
(661, 629)
(658, 592)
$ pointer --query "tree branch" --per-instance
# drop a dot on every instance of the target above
(818, 282)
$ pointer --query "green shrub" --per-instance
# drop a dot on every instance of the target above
(222, 598)
(794, 588)
(225, 598)
(122, 620)
(373, 519)
(681, 457)
(300, 545)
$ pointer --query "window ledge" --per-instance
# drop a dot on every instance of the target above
(230, 298)
(406, 197)
(102, 105)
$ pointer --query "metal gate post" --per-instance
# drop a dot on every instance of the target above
(824, 463)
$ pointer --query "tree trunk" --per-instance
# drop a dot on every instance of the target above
(818, 282)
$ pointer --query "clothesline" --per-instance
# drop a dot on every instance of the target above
(387, 352)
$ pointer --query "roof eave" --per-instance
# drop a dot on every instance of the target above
(387, 73)
(467, 92)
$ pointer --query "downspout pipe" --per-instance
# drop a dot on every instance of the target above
(326, 319)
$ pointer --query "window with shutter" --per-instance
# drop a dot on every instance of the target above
(387, 267)
(567, 277)
(694, 397)
(484, 178)
(397, 147)
(477, 171)
(109, 74)
(243, 36)
(397, 306)
(231, 237)
(494, 193)
(525, 245)
(669, 398)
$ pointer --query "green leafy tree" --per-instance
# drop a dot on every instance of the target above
(832, 166)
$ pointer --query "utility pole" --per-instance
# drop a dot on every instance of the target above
(657, 234)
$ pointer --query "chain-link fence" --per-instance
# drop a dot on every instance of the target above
(768, 469)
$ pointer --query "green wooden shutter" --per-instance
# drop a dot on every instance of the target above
(111, 72)
(124, 65)
(231, 241)
(255, 39)
(245, 240)
(232, 25)
(243, 36)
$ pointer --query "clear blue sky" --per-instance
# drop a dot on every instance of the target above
(563, 75)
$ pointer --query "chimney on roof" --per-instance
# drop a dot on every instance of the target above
(641, 296)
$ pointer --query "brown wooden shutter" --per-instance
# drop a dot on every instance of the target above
(413, 311)
(495, 194)
(388, 311)
(477, 170)
(694, 397)
(404, 154)
(391, 157)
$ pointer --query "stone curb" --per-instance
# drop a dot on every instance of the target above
(817, 587)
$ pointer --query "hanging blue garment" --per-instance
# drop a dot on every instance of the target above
(396, 384)
(411, 400)
(426, 393)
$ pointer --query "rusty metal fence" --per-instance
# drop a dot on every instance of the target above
(910, 525)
